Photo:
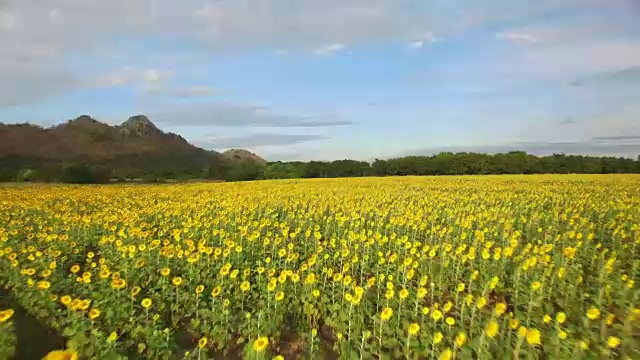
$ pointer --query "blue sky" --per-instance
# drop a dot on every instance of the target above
(334, 79)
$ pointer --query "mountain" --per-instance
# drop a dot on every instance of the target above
(134, 149)
(241, 154)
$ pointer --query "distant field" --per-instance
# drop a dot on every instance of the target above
(531, 266)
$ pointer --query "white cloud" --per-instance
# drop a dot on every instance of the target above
(329, 49)
(152, 75)
(257, 140)
(237, 116)
(429, 37)
(417, 44)
(181, 92)
(39, 36)
(7, 21)
(518, 37)
(130, 75)
(55, 17)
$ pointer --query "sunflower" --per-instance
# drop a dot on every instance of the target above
(613, 342)
(118, 283)
(536, 285)
(177, 281)
(146, 303)
(62, 355)
(165, 271)
(112, 337)
(389, 294)
(310, 279)
(413, 329)
(403, 294)
(260, 344)
(447, 354)
(279, 296)
(94, 314)
(216, 291)
(386, 314)
(447, 307)
(436, 315)
(202, 342)
(65, 300)
(481, 302)
(533, 336)
(501, 308)
(460, 339)
(234, 273)
(437, 337)
(6, 315)
(593, 313)
(135, 291)
(422, 292)
(492, 329)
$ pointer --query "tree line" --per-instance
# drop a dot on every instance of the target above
(153, 170)
(516, 162)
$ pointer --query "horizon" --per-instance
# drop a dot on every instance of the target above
(489, 150)
(337, 80)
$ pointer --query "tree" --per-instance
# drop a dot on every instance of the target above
(78, 173)
(282, 171)
(244, 170)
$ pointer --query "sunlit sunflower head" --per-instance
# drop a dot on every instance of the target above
(386, 314)
(62, 355)
(413, 329)
(94, 314)
(146, 303)
(6, 315)
(460, 339)
(492, 328)
(202, 342)
(260, 344)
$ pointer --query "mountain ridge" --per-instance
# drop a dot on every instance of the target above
(135, 148)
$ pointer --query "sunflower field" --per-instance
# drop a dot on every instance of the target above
(493, 267)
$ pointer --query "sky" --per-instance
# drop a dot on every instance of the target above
(334, 79)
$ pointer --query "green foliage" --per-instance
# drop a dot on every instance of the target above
(279, 170)
(516, 162)
(184, 165)
(78, 173)
(7, 339)
(244, 170)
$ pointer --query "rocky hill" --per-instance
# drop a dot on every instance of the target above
(241, 154)
(134, 149)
